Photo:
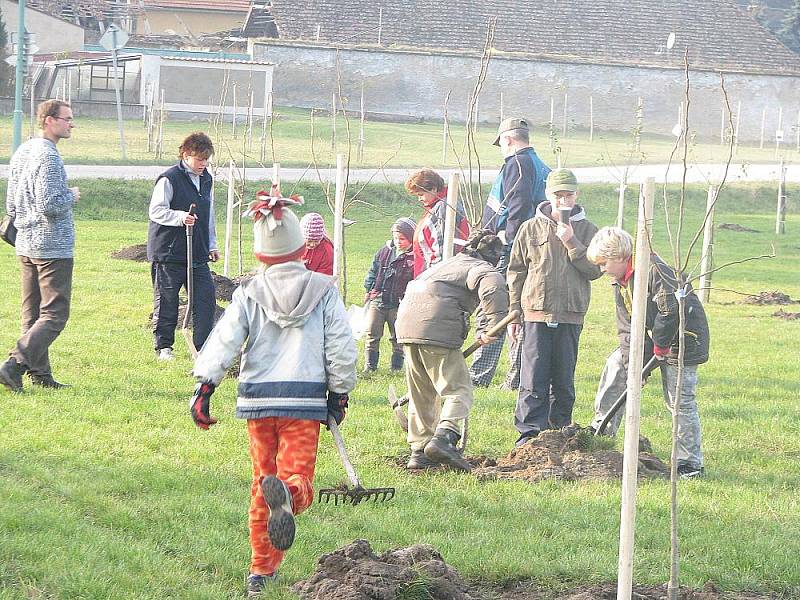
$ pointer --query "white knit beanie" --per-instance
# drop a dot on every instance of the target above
(277, 236)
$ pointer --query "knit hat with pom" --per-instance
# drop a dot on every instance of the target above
(277, 235)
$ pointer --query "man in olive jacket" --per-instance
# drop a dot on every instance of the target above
(432, 324)
(549, 282)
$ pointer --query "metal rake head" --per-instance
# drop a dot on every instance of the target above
(355, 495)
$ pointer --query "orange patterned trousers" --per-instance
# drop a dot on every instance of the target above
(286, 448)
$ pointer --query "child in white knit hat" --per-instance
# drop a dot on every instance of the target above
(297, 368)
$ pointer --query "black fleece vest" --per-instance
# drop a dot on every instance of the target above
(168, 244)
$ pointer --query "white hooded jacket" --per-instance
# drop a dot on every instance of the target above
(298, 346)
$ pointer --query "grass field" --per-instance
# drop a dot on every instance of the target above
(107, 490)
(96, 141)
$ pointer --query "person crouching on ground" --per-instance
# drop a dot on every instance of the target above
(549, 281)
(432, 324)
(177, 189)
(612, 250)
(297, 369)
(385, 284)
(318, 255)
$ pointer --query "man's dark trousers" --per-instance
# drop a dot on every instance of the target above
(46, 296)
(549, 355)
(168, 278)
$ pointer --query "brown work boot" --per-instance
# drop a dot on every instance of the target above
(419, 461)
(11, 373)
(442, 448)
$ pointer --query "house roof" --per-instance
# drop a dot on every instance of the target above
(717, 34)
(239, 6)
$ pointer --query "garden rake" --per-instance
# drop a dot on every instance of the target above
(354, 495)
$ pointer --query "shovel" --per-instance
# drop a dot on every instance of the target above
(619, 402)
(189, 286)
(398, 403)
(354, 495)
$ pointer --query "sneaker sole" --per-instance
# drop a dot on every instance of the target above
(280, 526)
(440, 456)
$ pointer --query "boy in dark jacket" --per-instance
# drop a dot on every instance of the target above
(612, 250)
(392, 269)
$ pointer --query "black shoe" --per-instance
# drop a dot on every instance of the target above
(47, 381)
(371, 361)
(397, 361)
(689, 471)
(11, 373)
(419, 461)
(280, 525)
(258, 584)
(442, 448)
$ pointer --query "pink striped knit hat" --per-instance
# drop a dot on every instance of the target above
(313, 227)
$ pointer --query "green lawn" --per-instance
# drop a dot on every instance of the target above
(96, 141)
(107, 490)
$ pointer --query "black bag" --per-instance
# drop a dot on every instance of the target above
(7, 230)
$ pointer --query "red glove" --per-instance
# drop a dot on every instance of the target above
(200, 405)
(661, 353)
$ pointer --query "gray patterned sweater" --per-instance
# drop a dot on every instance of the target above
(40, 202)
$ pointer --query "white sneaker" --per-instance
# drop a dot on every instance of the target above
(166, 354)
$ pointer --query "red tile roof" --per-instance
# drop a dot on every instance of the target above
(215, 5)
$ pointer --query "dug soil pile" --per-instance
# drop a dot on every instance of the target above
(786, 316)
(736, 227)
(137, 253)
(765, 298)
(355, 572)
(568, 454)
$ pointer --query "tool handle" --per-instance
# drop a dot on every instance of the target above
(512, 316)
(620, 401)
(189, 281)
(348, 466)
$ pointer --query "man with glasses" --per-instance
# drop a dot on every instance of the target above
(40, 203)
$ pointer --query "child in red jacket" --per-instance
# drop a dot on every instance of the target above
(318, 256)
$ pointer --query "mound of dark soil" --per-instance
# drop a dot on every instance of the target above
(355, 572)
(787, 316)
(225, 286)
(736, 227)
(571, 453)
(137, 253)
(764, 298)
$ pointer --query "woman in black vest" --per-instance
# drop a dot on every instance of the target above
(176, 189)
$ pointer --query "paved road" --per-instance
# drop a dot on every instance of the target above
(696, 174)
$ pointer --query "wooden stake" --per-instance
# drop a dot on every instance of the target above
(380, 24)
(763, 123)
(250, 121)
(591, 119)
(621, 201)
(707, 258)
(779, 131)
(361, 128)
(333, 120)
(233, 120)
(226, 265)
(722, 124)
(780, 220)
(797, 131)
(736, 131)
(564, 125)
(639, 119)
(276, 174)
(338, 217)
(450, 216)
(502, 108)
(160, 150)
(445, 133)
(630, 463)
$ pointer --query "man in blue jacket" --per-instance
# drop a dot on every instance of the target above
(517, 191)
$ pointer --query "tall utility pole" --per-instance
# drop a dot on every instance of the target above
(20, 77)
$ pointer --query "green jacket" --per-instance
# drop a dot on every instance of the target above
(438, 303)
(547, 282)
